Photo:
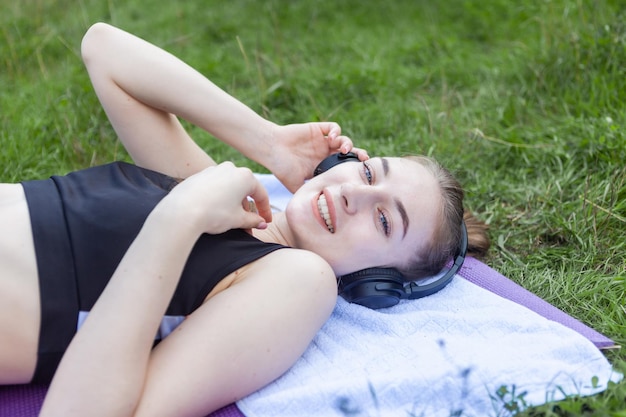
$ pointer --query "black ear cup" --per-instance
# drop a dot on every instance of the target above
(384, 287)
(373, 287)
(335, 159)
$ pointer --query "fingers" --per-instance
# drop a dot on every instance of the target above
(257, 211)
(330, 129)
(361, 153)
(344, 145)
(339, 142)
(336, 141)
(251, 221)
(259, 205)
(236, 197)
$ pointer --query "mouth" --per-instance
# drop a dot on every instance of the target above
(322, 206)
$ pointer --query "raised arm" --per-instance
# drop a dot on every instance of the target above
(144, 88)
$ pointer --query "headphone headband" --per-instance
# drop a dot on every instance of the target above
(418, 291)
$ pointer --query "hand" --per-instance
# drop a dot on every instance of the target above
(299, 148)
(216, 200)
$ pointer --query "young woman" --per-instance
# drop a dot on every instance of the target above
(170, 247)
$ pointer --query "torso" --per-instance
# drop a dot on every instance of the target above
(20, 306)
(19, 288)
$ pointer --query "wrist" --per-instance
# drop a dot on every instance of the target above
(176, 219)
(258, 143)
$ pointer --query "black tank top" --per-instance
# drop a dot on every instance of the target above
(82, 225)
(84, 222)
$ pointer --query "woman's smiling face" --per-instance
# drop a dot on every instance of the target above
(360, 215)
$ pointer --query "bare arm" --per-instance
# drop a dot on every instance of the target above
(109, 368)
(105, 365)
(144, 88)
(242, 338)
(236, 342)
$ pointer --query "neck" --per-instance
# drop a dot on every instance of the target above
(277, 231)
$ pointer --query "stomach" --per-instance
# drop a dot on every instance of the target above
(19, 289)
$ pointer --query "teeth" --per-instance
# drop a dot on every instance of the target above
(322, 206)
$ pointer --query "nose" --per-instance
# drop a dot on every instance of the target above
(357, 196)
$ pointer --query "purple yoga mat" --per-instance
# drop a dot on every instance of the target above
(26, 400)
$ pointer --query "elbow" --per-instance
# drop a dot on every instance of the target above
(93, 40)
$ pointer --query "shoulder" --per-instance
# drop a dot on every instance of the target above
(296, 266)
(283, 268)
(297, 260)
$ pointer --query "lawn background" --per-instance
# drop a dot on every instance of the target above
(524, 101)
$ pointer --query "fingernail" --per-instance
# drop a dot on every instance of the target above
(252, 206)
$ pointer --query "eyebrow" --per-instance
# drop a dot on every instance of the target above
(399, 205)
(385, 165)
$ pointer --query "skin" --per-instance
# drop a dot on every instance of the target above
(356, 202)
(241, 338)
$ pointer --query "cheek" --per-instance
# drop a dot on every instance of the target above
(355, 247)
(356, 253)
(297, 211)
(303, 227)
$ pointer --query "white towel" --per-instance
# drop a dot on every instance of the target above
(463, 351)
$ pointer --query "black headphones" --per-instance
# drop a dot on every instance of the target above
(384, 287)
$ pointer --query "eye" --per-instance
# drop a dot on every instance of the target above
(367, 171)
(385, 226)
(384, 223)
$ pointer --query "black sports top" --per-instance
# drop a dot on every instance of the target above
(84, 222)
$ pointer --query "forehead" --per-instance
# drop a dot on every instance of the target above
(416, 189)
(407, 172)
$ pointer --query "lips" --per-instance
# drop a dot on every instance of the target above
(322, 206)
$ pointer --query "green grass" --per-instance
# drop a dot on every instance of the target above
(525, 101)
